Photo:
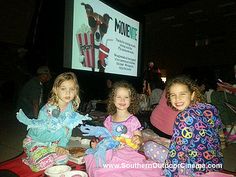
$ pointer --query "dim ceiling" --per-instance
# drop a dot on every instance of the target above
(142, 7)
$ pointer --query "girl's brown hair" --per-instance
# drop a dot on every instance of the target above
(192, 87)
(58, 81)
(133, 108)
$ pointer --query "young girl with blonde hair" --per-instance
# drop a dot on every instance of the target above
(45, 143)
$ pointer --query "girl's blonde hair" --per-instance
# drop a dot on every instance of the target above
(133, 108)
(192, 87)
(58, 81)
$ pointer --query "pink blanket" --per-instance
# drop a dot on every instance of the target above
(129, 163)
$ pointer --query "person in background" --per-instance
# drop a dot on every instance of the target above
(151, 73)
(220, 97)
(31, 95)
(45, 148)
(107, 90)
(163, 117)
(225, 101)
(109, 86)
(101, 105)
(195, 146)
(157, 86)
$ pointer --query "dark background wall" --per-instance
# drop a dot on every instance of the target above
(196, 34)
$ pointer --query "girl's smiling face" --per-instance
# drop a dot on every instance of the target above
(180, 96)
(122, 98)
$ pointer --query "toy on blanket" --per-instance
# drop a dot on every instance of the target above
(57, 121)
(108, 140)
(119, 134)
(126, 141)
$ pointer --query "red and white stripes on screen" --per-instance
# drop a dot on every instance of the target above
(86, 45)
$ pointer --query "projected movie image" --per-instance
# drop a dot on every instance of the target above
(104, 40)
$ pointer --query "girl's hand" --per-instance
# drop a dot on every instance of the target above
(62, 151)
(137, 139)
(121, 146)
(94, 142)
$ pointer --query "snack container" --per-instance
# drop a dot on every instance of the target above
(57, 170)
(75, 173)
